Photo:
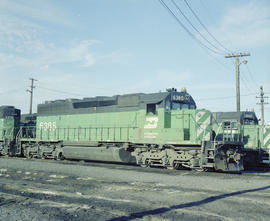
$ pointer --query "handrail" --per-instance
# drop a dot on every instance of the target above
(79, 133)
(229, 132)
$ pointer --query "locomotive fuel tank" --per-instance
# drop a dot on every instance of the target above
(97, 153)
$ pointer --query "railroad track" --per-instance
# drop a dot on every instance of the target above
(71, 191)
(128, 167)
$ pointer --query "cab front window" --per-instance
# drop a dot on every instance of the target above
(192, 106)
(179, 101)
(249, 121)
(181, 106)
(184, 106)
(176, 106)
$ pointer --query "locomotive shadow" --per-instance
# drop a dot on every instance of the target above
(186, 205)
(262, 172)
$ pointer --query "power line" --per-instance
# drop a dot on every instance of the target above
(190, 23)
(249, 81)
(61, 92)
(245, 82)
(219, 62)
(193, 37)
(199, 20)
(12, 91)
(58, 91)
(251, 77)
(223, 98)
(185, 28)
(209, 13)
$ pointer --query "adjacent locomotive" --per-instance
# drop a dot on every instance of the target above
(256, 138)
(160, 129)
(9, 128)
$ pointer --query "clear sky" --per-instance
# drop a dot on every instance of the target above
(85, 48)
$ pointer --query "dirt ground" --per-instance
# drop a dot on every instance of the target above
(52, 190)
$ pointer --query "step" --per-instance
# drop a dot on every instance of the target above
(209, 165)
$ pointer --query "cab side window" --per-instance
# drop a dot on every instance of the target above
(151, 109)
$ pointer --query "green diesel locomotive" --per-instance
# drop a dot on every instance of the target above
(159, 129)
(256, 138)
(9, 128)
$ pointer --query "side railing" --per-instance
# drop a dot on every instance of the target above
(229, 131)
(18, 142)
(79, 133)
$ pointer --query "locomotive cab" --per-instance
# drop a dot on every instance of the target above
(178, 109)
(179, 100)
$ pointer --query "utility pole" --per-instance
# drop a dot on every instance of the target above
(237, 64)
(262, 103)
(31, 91)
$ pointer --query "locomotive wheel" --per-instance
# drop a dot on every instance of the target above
(42, 156)
(174, 166)
(145, 164)
(60, 156)
(27, 154)
(220, 163)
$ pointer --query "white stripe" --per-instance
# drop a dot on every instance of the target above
(265, 129)
(266, 139)
(199, 115)
(199, 131)
(207, 121)
(203, 126)
(207, 136)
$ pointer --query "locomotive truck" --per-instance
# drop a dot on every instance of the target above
(162, 129)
